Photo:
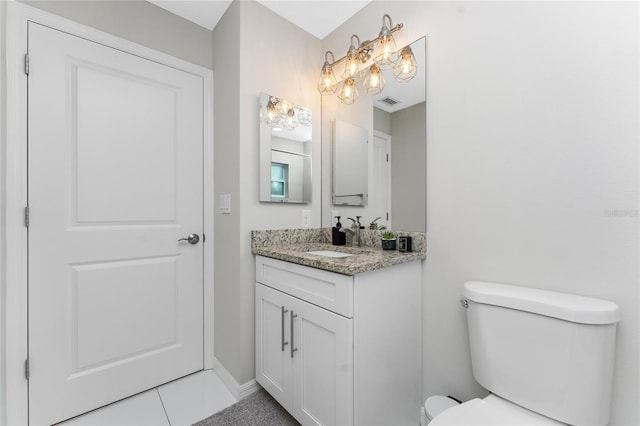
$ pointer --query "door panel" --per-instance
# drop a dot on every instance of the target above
(99, 291)
(146, 183)
(115, 179)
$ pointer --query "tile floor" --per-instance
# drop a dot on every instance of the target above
(181, 402)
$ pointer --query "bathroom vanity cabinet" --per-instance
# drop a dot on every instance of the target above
(336, 349)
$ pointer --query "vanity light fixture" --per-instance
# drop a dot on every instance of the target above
(328, 85)
(406, 67)
(385, 50)
(352, 65)
(374, 82)
(349, 93)
(364, 62)
(281, 114)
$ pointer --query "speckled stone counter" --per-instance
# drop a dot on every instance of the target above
(292, 245)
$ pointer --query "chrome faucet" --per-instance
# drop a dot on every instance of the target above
(356, 235)
(373, 225)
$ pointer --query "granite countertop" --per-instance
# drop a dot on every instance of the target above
(292, 245)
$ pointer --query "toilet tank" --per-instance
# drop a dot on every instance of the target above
(550, 352)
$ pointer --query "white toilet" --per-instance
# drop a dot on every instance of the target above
(546, 357)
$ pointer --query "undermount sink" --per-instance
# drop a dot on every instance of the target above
(329, 253)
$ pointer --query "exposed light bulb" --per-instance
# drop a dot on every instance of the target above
(406, 66)
(349, 93)
(374, 83)
(353, 68)
(386, 49)
(352, 64)
(327, 84)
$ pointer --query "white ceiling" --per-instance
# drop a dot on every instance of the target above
(317, 17)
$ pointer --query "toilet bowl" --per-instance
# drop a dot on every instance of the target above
(491, 410)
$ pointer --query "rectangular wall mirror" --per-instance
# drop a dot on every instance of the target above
(394, 122)
(285, 151)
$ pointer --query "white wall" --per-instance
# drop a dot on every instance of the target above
(280, 59)
(532, 163)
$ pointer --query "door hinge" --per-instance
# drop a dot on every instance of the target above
(387, 215)
(26, 63)
(26, 216)
(26, 369)
(387, 158)
(204, 238)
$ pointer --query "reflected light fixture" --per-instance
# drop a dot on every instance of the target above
(365, 61)
(282, 115)
(272, 117)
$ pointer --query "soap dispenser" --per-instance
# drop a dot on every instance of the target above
(338, 238)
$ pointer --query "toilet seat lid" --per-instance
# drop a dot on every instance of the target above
(436, 404)
(480, 412)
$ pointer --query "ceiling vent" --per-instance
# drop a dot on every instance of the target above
(389, 101)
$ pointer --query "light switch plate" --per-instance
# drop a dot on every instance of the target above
(225, 204)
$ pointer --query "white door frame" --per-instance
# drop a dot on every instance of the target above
(14, 344)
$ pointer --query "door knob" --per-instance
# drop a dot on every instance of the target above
(191, 239)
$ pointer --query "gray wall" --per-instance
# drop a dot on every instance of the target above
(408, 174)
(228, 310)
(3, 102)
(532, 163)
(280, 59)
(381, 121)
(138, 21)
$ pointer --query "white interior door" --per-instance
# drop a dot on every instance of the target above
(115, 179)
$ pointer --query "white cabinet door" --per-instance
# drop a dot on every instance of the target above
(304, 358)
(273, 360)
(322, 366)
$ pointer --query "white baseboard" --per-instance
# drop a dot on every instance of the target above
(239, 391)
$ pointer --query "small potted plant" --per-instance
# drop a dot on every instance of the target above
(388, 241)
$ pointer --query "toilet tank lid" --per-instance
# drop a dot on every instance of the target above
(569, 307)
